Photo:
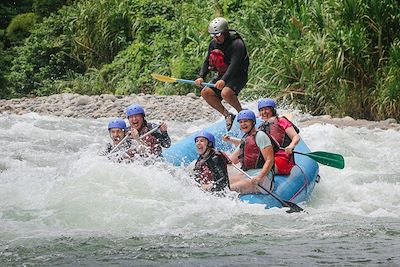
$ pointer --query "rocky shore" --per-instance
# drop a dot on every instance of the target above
(179, 108)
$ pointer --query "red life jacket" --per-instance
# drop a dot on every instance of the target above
(250, 154)
(277, 134)
(217, 62)
(151, 142)
(283, 162)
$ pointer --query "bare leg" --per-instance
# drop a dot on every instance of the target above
(243, 186)
(229, 96)
(235, 178)
(210, 97)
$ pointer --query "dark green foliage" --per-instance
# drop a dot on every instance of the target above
(5, 60)
(325, 55)
(2, 39)
(11, 8)
(20, 27)
(45, 57)
(44, 8)
(170, 47)
(101, 30)
(387, 96)
(339, 57)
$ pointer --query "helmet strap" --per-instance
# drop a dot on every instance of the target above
(252, 127)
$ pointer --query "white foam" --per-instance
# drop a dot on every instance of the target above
(52, 182)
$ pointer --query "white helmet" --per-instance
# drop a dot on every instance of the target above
(218, 25)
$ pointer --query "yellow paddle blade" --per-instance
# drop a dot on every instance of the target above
(163, 78)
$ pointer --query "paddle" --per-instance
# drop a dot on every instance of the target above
(325, 158)
(141, 137)
(168, 79)
(293, 207)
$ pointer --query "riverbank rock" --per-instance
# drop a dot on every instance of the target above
(171, 108)
(348, 121)
(179, 108)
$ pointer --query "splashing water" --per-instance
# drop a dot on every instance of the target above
(63, 204)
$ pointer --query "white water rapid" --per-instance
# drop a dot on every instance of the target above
(53, 185)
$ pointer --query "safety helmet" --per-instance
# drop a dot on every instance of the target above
(267, 102)
(134, 109)
(246, 114)
(117, 123)
(218, 25)
(209, 136)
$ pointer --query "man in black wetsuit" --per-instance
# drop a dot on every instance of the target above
(227, 55)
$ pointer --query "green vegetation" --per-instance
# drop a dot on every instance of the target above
(20, 27)
(338, 57)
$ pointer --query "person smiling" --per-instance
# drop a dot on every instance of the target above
(211, 167)
(282, 132)
(155, 141)
(115, 149)
(284, 135)
(227, 55)
(256, 155)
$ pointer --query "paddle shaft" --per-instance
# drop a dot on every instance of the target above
(284, 203)
(168, 79)
(141, 137)
(192, 82)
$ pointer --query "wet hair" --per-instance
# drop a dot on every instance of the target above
(274, 112)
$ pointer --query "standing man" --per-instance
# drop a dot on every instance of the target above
(227, 55)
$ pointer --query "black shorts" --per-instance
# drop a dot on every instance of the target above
(236, 84)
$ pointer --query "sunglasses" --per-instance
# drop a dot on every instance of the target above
(215, 34)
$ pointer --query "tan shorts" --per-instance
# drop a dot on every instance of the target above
(267, 183)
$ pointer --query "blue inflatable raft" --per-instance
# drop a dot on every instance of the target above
(295, 187)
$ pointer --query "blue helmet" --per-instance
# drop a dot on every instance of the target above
(267, 102)
(209, 136)
(134, 109)
(246, 114)
(117, 123)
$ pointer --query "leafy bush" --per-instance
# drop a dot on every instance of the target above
(101, 29)
(20, 27)
(387, 94)
(5, 59)
(168, 41)
(45, 55)
(44, 8)
(326, 56)
(11, 8)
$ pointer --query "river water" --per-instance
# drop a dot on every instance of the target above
(62, 204)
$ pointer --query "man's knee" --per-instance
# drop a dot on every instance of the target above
(207, 92)
(227, 93)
